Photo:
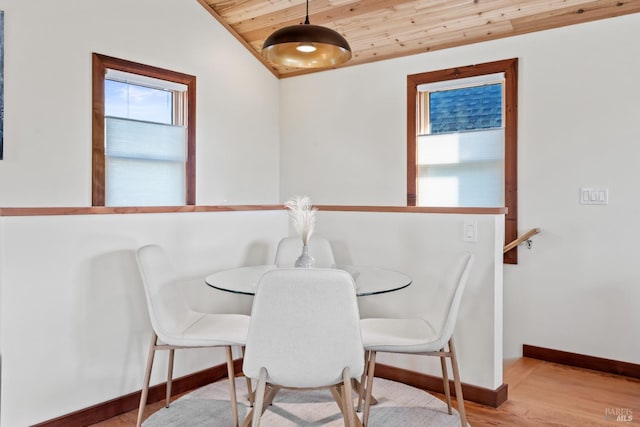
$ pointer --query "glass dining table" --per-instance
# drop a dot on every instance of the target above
(368, 280)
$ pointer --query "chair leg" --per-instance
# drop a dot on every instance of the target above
(347, 399)
(445, 381)
(232, 386)
(147, 378)
(169, 377)
(259, 398)
(369, 387)
(249, 386)
(457, 384)
(269, 394)
(336, 392)
(363, 383)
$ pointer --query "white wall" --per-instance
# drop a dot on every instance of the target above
(47, 144)
(579, 121)
(424, 247)
(75, 329)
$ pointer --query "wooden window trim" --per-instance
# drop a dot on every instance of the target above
(100, 65)
(510, 69)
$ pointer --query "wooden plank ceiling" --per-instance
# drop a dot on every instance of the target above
(384, 29)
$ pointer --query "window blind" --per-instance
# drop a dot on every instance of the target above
(145, 163)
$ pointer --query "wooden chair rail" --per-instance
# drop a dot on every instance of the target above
(521, 239)
(102, 210)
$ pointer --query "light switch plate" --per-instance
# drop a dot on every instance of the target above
(594, 196)
(470, 231)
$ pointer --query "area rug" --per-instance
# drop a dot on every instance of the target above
(399, 405)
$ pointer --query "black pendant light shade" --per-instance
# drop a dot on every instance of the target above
(306, 46)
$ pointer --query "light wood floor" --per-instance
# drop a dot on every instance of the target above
(540, 394)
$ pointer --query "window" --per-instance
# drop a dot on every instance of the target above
(461, 140)
(460, 144)
(143, 135)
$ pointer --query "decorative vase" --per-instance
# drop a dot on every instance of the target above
(305, 260)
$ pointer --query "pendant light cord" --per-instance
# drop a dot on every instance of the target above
(306, 21)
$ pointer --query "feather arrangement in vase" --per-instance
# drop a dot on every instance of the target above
(303, 216)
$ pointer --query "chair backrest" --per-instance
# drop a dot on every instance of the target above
(305, 328)
(455, 280)
(168, 310)
(290, 248)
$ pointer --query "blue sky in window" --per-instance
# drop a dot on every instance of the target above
(136, 102)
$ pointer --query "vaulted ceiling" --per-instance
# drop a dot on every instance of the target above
(384, 29)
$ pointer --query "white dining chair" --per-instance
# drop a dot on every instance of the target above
(176, 326)
(290, 248)
(304, 333)
(423, 336)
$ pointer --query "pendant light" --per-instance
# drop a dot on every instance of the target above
(306, 46)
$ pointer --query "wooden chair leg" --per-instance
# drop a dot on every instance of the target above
(147, 378)
(250, 396)
(457, 384)
(169, 377)
(232, 386)
(363, 378)
(445, 382)
(249, 386)
(347, 399)
(259, 398)
(369, 387)
(336, 392)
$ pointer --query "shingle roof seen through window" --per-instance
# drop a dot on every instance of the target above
(458, 110)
